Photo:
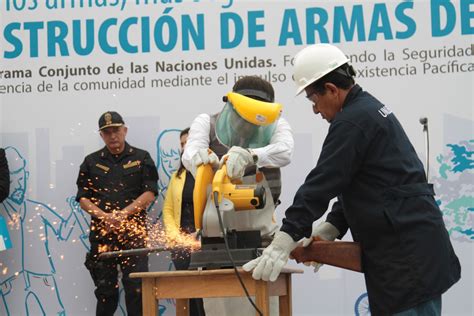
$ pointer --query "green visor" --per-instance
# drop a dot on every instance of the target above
(233, 130)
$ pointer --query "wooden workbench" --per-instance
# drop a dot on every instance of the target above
(183, 285)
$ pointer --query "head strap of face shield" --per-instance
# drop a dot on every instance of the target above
(252, 93)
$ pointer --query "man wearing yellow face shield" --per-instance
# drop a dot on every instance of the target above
(249, 130)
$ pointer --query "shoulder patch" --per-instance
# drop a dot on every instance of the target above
(385, 111)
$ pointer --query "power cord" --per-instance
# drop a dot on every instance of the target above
(221, 224)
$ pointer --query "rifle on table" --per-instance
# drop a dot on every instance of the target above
(342, 254)
(131, 252)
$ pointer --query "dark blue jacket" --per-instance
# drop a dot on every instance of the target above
(369, 164)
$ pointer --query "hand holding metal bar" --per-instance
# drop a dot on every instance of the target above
(342, 254)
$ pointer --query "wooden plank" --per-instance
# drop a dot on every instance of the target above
(182, 307)
(261, 297)
(278, 287)
(149, 301)
(200, 272)
(182, 285)
(203, 286)
(284, 301)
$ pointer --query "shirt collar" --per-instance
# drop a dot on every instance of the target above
(355, 90)
(127, 151)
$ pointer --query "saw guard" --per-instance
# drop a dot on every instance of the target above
(252, 219)
(204, 176)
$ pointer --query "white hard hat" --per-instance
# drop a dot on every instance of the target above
(314, 62)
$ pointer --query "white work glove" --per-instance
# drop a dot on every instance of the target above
(273, 259)
(204, 156)
(324, 231)
(237, 160)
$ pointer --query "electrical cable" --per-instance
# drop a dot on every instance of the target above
(221, 224)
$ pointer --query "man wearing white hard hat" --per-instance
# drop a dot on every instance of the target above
(368, 163)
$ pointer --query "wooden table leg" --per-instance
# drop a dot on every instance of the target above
(148, 297)
(284, 301)
(261, 297)
(182, 307)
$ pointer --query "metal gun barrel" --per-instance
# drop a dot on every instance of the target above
(131, 252)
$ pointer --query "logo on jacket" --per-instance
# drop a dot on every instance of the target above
(385, 111)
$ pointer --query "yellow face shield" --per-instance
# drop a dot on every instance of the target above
(254, 111)
(247, 122)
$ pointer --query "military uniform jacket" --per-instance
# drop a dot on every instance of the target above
(369, 164)
(114, 181)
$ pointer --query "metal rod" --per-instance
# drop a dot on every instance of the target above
(131, 252)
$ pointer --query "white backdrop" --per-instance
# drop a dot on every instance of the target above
(415, 56)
